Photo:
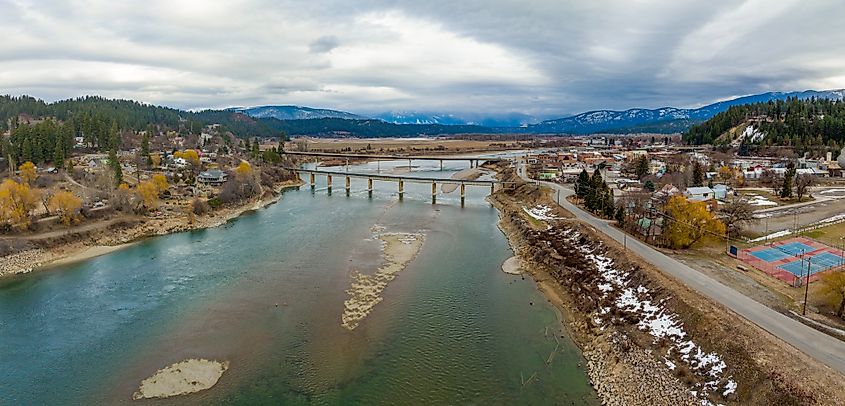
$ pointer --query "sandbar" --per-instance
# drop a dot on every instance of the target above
(181, 378)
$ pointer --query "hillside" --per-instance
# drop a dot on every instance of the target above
(295, 113)
(803, 124)
(662, 120)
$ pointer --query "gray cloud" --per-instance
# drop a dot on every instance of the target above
(546, 58)
(324, 44)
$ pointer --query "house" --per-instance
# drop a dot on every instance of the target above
(720, 192)
(213, 177)
(699, 194)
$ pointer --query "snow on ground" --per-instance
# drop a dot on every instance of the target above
(659, 322)
(838, 217)
(782, 233)
(540, 212)
(757, 200)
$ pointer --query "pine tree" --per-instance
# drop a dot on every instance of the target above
(786, 189)
(145, 148)
(115, 165)
(59, 154)
(582, 185)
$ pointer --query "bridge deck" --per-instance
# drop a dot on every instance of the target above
(412, 179)
(385, 157)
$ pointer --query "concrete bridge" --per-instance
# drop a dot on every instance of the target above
(462, 183)
(473, 161)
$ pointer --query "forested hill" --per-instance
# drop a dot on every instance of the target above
(792, 122)
(96, 115)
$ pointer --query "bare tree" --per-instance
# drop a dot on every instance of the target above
(737, 214)
(802, 182)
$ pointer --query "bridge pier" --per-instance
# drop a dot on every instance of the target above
(401, 189)
(433, 192)
(370, 186)
(463, 194)
(492, 188)
(441, 164)
(409, 165)
(348, 185)
(312, 180)
(329, 182)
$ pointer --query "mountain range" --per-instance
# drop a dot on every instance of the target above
(661, 120)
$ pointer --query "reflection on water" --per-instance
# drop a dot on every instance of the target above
(266, 293)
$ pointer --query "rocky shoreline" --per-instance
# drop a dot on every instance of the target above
(646, 339)
(81, 247)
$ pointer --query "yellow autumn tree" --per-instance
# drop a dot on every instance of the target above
(148, 192)
(690, 222)
(17, 200)
(160, 182)
(156, 160)
(832, 289)
(67, 206)
(27, 172)
(244, 169)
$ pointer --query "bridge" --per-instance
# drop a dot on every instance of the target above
(463, 183)
(473, 161)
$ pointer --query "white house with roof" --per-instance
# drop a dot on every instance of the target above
(699, 194)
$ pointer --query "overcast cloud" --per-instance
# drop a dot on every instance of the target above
(547, 58)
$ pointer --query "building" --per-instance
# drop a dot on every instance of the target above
(699, 194)
(213, 177)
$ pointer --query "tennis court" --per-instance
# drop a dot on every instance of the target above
(790, 260)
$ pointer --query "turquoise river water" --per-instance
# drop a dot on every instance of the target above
(265, 292)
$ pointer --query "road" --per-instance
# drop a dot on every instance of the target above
(824, 348)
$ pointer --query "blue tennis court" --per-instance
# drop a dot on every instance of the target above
(795, 248)
(817, 263)
(770, 254)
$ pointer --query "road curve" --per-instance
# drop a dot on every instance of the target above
(824, 348)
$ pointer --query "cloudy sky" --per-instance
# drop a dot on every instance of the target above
(547, 58)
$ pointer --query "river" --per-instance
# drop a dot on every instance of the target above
(265, 292)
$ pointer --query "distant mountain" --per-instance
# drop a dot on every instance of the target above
(490, 120)
(662, 120)
(295, 113)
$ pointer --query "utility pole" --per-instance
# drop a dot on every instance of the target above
(807, 285)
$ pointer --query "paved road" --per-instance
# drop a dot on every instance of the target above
(822, 347)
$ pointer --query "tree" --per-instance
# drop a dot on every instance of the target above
(145, 148)
(160, 181)
(788, 177)
(59, 154)
(689, 222)
(17, 200)
(244, 169)
(802, 182)
(114, 162)
(148, 193)
(832, 289)
(582, 185)
(642, 166)
(620, 215)
(736, 214)
(697, 174)
(27, 172)
(649, 186)
(67, 206)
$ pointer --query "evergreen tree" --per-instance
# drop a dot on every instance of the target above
(697, 174)
(582, 185)
(789, 176)
(145, 148)
(59, 154)
(115, 165)
(642, 167)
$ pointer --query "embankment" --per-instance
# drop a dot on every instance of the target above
(648, 339)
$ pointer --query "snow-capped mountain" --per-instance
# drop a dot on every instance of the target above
(666, 119)
(492, 120)
(295, 113)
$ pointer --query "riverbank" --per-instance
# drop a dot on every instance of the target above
(75, 247)
(648, 339)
